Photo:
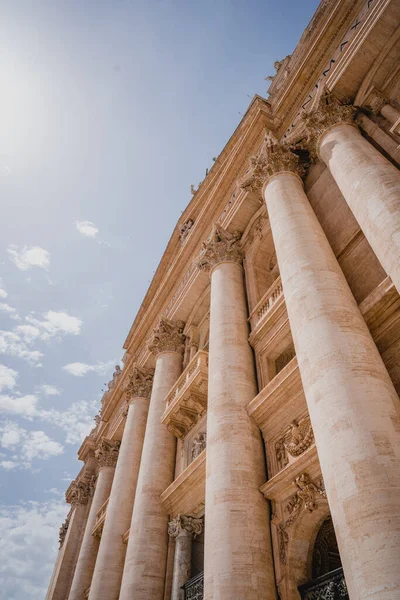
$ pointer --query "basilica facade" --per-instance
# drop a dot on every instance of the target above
(249, 448)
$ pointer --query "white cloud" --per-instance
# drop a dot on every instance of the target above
(87, 228)
(19, 341)
(49, 390)
(56, 322)
(8, 465)
(8, 378)
(3, 293)
(79, 369)
(28, 547)
(29, 256)
(26, 406)
(26, 445)
(76, 421)
(9, 310)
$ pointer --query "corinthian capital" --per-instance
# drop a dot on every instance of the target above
(139, 384)
(183, 524)
(221, 246)
(78, 493)
(272, 158)
(168, 337)
(107, 453)
(327, 113)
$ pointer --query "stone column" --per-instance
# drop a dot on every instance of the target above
(377, 102)
(238, 557)
(146, 554)
(106, 455)
(110, 560)
(183, 529)
(352, 403)
(369, 183)
(77, 495)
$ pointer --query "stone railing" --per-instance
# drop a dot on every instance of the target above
(187, 400)
(263, 307)
(100, 518)
(194, 588)
(331, 586)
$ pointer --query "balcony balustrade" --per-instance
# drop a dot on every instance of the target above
(100, 518)
(331, 586)
(187, 400)
(194, 587)
(265, 305)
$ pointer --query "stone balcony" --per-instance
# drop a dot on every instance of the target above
(187, 401)
(100, 519)
(264, 308)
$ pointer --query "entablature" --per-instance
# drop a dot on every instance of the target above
(186, 495)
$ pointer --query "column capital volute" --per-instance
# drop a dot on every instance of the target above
(78, 492)
(168, 337)
(183, 525)
(328, 113)
(107, 453)
(273, 158)
(139, 383)
(221, 246)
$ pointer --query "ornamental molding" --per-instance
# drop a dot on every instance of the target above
(294, 441)
(183, 524)
(328, 112)
(305, 499)
(78, 493)
(273, 158)
(184, 230)
(107, 453)
(168, 337)
(139, 383)
(63, 530)
(220, 246)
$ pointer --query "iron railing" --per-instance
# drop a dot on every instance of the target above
(331, 586)
(194, 587)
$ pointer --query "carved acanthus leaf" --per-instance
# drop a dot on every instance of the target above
(107, 453)
(327, 113)
(273, 158)
(168, 337)
(139, 384)
(78, 493)
(182, 523)
(221, 246)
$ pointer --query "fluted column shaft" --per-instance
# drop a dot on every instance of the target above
(110, 560)
(370, 185)
(89, 547)
(237, 553)
(146, 555)
(352, 403)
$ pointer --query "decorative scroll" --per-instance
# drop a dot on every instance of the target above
(220, 246)
(296, 440)
(307, 492)
(182, 523)
(168, 337)
(140, 383)
(107, 453)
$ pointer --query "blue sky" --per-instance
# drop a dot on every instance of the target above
(111, 110)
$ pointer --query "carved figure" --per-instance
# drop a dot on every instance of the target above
(185, 229)
(116, 374)
(63, 531)
(198, 445)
